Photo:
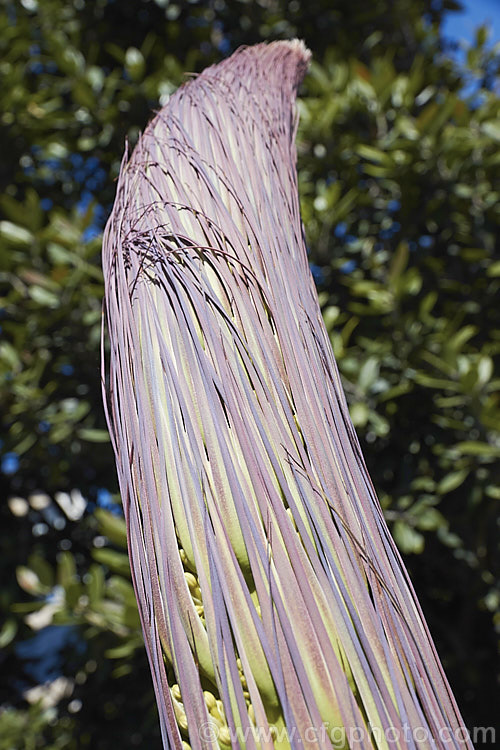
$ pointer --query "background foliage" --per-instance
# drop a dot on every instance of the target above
(398, 161)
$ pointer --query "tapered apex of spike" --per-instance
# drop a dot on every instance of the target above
(265, 66)
(298, 47)
(270, 72)
(291, 55)
(300, 52)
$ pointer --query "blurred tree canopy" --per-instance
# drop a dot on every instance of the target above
(399, 156)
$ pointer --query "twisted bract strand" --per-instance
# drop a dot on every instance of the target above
(273, 600)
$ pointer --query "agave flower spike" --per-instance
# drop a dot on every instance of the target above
(276, 610)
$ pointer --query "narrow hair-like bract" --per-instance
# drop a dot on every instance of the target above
(275, 607)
